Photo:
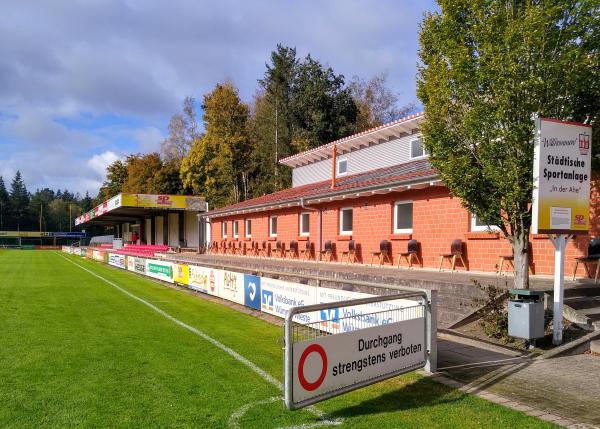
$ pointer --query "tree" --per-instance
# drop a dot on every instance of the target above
(273, 121)
(18, 201)
(140, 173)
(217, 165)
(87, 203)
(323, 109)
(116, 175)
(38, 210)
(183, 131)
(487, 67)
(4, 201)
(377, 104)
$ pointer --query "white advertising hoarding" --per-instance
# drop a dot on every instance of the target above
(116, 260)
(345, 319)
(159, 270)
(561, 177)
(327, 364)
(232, 286)
(278, 296)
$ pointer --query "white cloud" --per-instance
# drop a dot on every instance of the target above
(99, 162)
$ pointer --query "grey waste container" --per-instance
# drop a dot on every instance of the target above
(526, 314)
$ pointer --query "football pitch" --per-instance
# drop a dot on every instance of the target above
(85, 345)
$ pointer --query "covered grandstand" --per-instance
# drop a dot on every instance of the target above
(144, 220)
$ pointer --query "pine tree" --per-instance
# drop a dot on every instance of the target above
(3, 204)
(19, 201)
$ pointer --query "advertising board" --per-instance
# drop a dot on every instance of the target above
(198, 278)
(252, 291)
(159, 270)
(181, 273)
(97, 255)
(232, 286)
(278, 296)
(561, 177)
(331, 364)
(117, 260)
(345, 319)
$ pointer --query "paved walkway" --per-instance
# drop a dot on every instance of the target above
(565, 390)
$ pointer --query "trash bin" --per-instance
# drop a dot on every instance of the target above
(526, 314)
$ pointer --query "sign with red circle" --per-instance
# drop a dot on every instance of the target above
(306, 385)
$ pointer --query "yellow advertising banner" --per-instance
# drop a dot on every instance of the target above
(28, 234)
(162, 201)
(181, 273)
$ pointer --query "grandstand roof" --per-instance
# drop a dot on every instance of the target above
(126, 207)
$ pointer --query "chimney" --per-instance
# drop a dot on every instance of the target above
(333, 165)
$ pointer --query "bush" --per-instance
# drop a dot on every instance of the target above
(494, 313)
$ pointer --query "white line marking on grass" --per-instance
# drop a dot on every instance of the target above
(325, 420)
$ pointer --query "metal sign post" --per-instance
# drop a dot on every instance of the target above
(560, 244)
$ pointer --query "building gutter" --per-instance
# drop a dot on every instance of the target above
(314, 199)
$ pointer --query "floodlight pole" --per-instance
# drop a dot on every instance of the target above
(560, 243)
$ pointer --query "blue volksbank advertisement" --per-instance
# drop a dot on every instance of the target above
(252, 291)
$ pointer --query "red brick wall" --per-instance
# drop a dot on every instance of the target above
(438, 218)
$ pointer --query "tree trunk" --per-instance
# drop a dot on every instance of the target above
(520, 244)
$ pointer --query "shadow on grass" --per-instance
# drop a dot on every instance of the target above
(422, 393)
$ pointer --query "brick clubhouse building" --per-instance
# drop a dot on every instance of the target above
(373, 186)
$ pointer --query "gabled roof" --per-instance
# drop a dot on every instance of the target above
(399, 177)
(386, 132)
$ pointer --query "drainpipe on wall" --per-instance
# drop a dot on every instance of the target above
(333, 166)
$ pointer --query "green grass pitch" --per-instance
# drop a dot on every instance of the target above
(77, 352)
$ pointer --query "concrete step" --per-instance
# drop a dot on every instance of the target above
(595, 346)
(583, 302)
(581, 292)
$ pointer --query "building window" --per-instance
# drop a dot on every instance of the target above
(235, 229)
(417, 150)
(304, 224)
(346, 221)
(478, 225)
(342, 166)
(273, 226)
(224, 229)
(248, 227)
(403, 217)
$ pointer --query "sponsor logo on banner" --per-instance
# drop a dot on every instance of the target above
(267, 301)
(159, 270)
(130, 263)
(278, 296)
(140, 265)
(181, 274)
(330, 319)
(232, 287)
(116, 260)
(198, 278)
(329, 363)
(252, 295)
(346, 319)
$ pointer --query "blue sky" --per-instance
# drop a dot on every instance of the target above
(83, 83)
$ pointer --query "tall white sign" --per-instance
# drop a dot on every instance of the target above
(561, 177)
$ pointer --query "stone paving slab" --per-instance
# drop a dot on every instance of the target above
(564, 390)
